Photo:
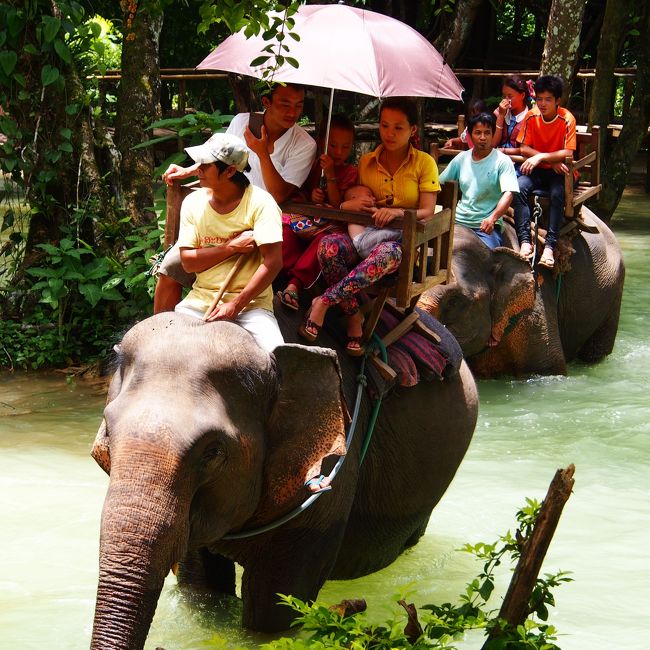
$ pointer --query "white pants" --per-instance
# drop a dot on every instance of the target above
(260, 323)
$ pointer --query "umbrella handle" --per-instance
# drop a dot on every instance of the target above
(231, 274)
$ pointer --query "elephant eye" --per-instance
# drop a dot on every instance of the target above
(214, 452)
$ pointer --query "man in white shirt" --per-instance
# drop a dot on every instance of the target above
(280, 161)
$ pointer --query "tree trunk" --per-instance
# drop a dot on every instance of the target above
(611, 36)
(635, 129)
(562, 41)
(451, 41)
(137, 106)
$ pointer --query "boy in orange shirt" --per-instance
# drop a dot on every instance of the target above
(547, 137)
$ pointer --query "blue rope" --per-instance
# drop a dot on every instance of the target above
(377, 342)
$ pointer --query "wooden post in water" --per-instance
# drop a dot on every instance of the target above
(514, 609)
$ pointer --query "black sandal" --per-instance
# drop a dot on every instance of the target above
(307, 325)
(353, 347)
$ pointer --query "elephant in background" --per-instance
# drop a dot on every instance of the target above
(204, 434)
(509, 322)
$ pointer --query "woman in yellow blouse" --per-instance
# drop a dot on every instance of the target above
(400, 177)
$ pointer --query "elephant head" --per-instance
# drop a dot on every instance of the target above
(203, 433)
(501, 314)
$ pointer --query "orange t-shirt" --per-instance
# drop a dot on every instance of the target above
(547, 137)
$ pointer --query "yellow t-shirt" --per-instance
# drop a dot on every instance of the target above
(201, 226)
(418, 173)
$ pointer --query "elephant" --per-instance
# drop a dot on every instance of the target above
(509, 321)
(205, 434)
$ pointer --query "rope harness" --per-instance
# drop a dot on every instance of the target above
(362, 381)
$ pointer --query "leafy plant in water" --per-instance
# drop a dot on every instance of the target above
(438, 626)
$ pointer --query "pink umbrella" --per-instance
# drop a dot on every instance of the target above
(347, 48)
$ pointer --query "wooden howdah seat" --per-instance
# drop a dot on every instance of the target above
(586, 162)
(426, 250)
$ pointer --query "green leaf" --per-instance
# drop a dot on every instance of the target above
(259, 61)
(30, 49)
(91, 292)
(51, 28)
(49, 75)
(62, 50)
(66, 133)
(112, 282)
(292, 62)
(66, 146)
(8, 60)
(72, 109)
(96, 29)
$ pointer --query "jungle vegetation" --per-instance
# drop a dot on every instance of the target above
(80, 204)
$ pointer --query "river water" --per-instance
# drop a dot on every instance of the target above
(598, 418)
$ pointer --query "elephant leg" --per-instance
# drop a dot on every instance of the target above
(601, 342)
(202, 569)
(289, 568)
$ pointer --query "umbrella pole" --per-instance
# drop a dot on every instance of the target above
(327, 135)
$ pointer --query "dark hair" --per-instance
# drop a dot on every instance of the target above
(404, 104)
(339, 121)
(271, 91)
(474, 107)
(238, 178)
(549, 83)
(487, 119)
(520, 85)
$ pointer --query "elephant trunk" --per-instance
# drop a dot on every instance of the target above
(143, 533)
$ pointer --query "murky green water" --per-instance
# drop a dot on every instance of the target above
(51, 494)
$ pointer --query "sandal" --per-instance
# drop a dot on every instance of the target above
(317, 481)
(288, 298)
(547, 260)
(353, 347)
(308, 329)
(526, 250)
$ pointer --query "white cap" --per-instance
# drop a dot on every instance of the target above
(224, 147)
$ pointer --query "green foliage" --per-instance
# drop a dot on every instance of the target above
(272, 18)
(438, 626)
(70, 310)
(195, 126)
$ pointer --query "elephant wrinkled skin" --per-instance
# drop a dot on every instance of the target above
(510, 323)
(204, 433)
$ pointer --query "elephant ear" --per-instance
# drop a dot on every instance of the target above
(100, 451)
(306, 425)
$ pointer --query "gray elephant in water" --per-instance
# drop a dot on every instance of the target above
(205, 434)
(511, 322)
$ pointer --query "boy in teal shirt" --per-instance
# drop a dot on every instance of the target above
(486, 178)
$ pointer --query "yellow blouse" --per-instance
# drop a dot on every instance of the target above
(417, 173)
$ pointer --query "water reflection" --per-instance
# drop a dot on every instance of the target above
(51, 495)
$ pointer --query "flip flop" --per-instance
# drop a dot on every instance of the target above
(317, 481)
(547, 260)
(288, 298)
(527, 255)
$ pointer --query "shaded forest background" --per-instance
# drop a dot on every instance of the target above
(80, 203)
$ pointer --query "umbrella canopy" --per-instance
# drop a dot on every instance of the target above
(347, 48)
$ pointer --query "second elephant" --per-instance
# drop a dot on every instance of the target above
(509, 322)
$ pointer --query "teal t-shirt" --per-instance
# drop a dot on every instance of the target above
(481, 184)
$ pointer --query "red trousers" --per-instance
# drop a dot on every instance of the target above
(300, 257)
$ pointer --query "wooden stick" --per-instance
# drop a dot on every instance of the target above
(231, 274)
(514, 609)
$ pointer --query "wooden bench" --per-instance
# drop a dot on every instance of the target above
(435, 150)
(426, 246)
(586, 161)
(426, 251)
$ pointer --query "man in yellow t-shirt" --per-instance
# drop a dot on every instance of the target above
(226, 218)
